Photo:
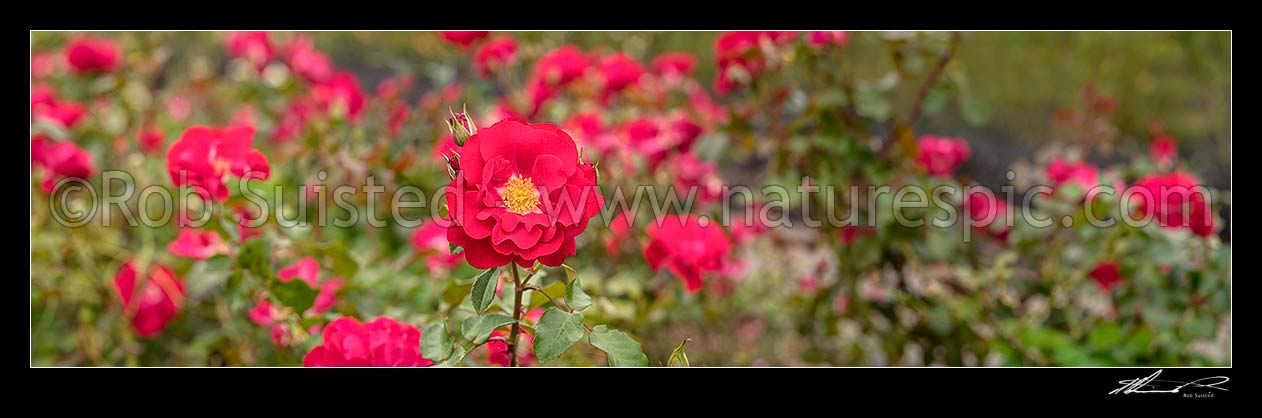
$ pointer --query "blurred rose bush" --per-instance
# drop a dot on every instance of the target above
(542, 145)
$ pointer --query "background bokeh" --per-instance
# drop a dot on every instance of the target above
(801, 297)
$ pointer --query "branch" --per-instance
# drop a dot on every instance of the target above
(938, 69)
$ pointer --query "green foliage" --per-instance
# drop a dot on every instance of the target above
(556, 332)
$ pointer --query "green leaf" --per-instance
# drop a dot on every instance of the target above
(478, 329)
(255, 258)
(296, 294)
(457, 356)
(1200, 327)
(570, 274)
(871, 102)
(343, 264)
(456, 292)
(483, 291)
(622, 350)
(469, 328)
(556, 332)
(1106, 336)
(575, 297)
(219, 263)
(435, 343)
(679, 358)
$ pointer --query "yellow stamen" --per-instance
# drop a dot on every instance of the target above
(221, 165)
(520, 195)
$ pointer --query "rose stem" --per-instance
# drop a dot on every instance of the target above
(516, 328)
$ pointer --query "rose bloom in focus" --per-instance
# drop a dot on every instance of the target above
(521, 195)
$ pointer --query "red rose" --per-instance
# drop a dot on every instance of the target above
(619, 71)
(539, 92)
(1175, 201)
(683, 132)
(245, 116)
(1106, 275)
(693, 173)
(246, 217)
(44, 64)
(674, 64)
(307, 61)
(1082, 174)
(87, 54)
(198, 245)
(61, 159)
(521, 195)
(264, 313)
(383, 342)
(735, 44)
(179, 108)
(687, 248)
(737, 53)
(41, 94)
(940, 156)
(445, 147)
(431, 239)
(555, 70)
(620, 231)
(1164, 150)
(292, 120)
(308, 270)
(151, 139)
(393, 88)
(781, 37)
(267, 315)
(823, 38)
(150, 300)
(588, 130)
(561, 66)
(46, 106)
(202, 156)
(253, 47)
(398, 116)
(463, 39)
(701, 102)
(497, 351)
(808, 284)
(66, 114)
(644, 136)
(327, 296)
(495, 55)
(340, 92)
(988, 213)
(746, 228)
(850, 233)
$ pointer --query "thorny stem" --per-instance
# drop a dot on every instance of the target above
(516, 328)
(475, 346)
(933, 77)
(545, 294)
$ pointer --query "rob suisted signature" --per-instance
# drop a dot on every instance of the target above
(1151, 384)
